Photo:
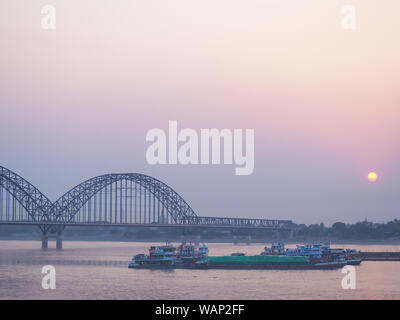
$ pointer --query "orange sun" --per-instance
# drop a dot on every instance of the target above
(372, 176)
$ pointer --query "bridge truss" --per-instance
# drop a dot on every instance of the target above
(129, 199)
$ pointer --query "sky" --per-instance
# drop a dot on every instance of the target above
(77, 101)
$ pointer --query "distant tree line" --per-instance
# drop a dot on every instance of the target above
(361, 231)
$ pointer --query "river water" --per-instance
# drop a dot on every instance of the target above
(98, 270)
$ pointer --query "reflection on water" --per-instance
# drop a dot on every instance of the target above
(98, 270)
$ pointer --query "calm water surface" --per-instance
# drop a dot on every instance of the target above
(98, 270)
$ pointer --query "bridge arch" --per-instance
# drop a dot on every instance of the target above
(67, 207)
(32, 200)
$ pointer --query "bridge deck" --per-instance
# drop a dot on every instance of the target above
(202, 222)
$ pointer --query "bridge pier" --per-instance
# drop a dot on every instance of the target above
(235, 240)
(52, 233)
(248, 240)
(45, 241)
(191, 238)
(197, 240)
(59, 242)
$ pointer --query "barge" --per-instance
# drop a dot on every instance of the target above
(271, 262)
(188, 256)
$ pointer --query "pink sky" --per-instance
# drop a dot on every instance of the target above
(77, 101)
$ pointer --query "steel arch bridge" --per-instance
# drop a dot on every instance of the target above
(119, 199)
(35, 204)
(122, 198)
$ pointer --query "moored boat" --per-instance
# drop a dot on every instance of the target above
(320, 252)
(159, 257)
(191, 257)
(168, 257)
(304, 257)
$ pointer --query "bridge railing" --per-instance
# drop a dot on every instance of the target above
(237, 222)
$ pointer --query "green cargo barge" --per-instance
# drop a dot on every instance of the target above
(268, 262)
(189, 257)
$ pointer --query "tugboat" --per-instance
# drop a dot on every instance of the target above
(277, 249)
(323, 252)
(191, 257)
(168, 257)
(159, 257)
